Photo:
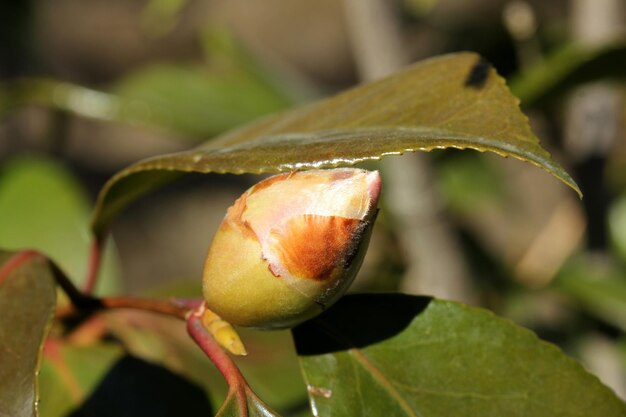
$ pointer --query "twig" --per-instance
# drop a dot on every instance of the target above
(93, 266)
(185, 309)
(237, 384)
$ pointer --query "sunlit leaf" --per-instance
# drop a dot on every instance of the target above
(568, 67)
(396, 355)
(453, 101)
(27, 302)
(617, 225)
(43, 207)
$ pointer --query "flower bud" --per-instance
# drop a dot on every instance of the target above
(290, 246)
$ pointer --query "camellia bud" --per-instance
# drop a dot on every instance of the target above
(290, 246)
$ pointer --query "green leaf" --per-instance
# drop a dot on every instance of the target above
(69, 374)
(195, 101)
(598, 287)
(43, 207)
(617, 225)
(134, 387)
(453, 101)
(398, 355)
(570, 66)
(27, 303)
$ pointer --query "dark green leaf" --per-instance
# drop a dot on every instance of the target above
(27, 302)
(453, 101)
(568, 67)
(397, 355)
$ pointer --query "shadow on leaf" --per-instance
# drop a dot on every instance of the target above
(136, 388)
(358, 320)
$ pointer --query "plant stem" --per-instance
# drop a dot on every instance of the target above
(93, 267)
(184, 309)
(237, 384)
(167, 307)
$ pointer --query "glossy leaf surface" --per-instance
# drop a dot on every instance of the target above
(453, 101)
(426, 357)
(27, 302)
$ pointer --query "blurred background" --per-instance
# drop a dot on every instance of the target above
(88, 87)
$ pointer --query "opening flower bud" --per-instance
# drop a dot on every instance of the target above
(290, 246)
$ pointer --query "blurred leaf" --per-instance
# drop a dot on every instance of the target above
(426, 357)
(570, 66)
(453, 101)
(420, 7)
(69, 374)
(161, 16)
(617, 225)
(43, 207)
(27, 303)
(133, 387)
(469, 181)
(197, 101)
(164, 341)
(598, 286)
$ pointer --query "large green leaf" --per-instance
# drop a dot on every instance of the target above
(43, 207)
(567, 67)
(27, 302)
(395, 355)
(453, 101)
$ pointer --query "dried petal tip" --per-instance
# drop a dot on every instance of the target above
(290, 246)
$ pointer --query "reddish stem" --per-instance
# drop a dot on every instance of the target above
(166, 307)
(15, 261)
(93, 266)
(185, 309)
(237, 384)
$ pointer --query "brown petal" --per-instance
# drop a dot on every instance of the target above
(313, 246)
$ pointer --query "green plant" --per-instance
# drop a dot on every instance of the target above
(371, 354)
